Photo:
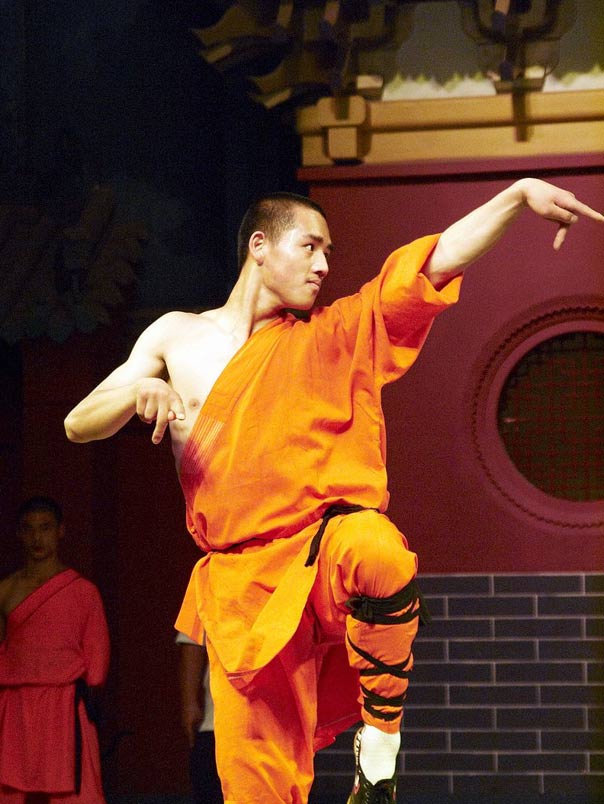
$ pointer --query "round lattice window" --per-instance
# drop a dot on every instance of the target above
(538, 416)
(551, 416)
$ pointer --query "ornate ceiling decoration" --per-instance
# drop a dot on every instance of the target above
(295, 52)
(58, 278)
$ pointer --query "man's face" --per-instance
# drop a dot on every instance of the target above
(295, 265)
(40, 534)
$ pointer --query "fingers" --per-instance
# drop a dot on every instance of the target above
(567, 214)
(582, 209)
(561, 235)
(177, 408)
(161, 423)
(157, 402)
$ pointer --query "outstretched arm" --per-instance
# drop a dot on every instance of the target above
(136, 387)
(473, 235)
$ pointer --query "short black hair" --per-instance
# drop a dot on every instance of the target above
(272, 214)
(34, 504)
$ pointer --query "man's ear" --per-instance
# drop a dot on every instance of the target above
(256, 246)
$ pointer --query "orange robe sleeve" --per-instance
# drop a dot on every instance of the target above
(293, 425)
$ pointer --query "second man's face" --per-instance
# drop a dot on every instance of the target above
(40, 534)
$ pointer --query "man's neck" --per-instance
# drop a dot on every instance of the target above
(38, 572)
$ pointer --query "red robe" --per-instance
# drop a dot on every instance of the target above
(293, 425)
(57, 635)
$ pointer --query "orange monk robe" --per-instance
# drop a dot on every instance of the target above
(293, 425)
(56, 635)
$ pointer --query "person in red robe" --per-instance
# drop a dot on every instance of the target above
(54, 652)
(306, 592)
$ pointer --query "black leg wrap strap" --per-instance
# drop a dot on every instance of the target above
(372, 699)
(381, 668)
(380, 610)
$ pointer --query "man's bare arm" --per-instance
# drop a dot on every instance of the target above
(473, 235)
(136, 387)
(192, 665)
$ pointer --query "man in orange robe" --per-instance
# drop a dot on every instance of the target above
(306, 588)
(54, 648)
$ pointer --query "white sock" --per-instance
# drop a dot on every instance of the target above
(378, 753)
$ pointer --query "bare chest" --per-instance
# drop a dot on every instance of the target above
(16, 591)
(193, 370)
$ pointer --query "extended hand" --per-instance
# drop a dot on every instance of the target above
(555, 204)
(157, 402)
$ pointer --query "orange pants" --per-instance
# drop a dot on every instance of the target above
(265, 732)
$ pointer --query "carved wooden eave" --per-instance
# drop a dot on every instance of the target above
(354, 129)
(58, 278)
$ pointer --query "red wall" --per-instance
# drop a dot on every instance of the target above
(122, 502)
(454, 515)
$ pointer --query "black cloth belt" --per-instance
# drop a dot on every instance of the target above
(333, 510)
(82, 693)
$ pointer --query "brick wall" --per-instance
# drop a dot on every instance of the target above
(507, 696)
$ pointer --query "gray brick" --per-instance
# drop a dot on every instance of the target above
(334, 762)
(564, 694)
(429, 651)
(594, 627)
(449, 762)
(455, 627)
(537, 584)
(415, 740)
(426, 694)
(594, 584)
(579, 783)
(540, 672)
(539, 627)
(491, 606)
(492, 650)
(331, 787)
(596, 763)
(494, 740)
(579, 740)
(595, 719)
(436, 606)
(541, 718)
(509, 763)
(571, 606)
(448, 585)
(595, 673)
(491, 694)
(435, 717)
(590, 649)
(520, 784)
(411, 784)
(450, 673)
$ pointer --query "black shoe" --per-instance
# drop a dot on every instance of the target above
(363, 792)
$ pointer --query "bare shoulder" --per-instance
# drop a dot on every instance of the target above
(8, 581)
(7, 585)
(178, 322)
(168, 329)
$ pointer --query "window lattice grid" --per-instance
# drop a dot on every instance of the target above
(551, 416)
